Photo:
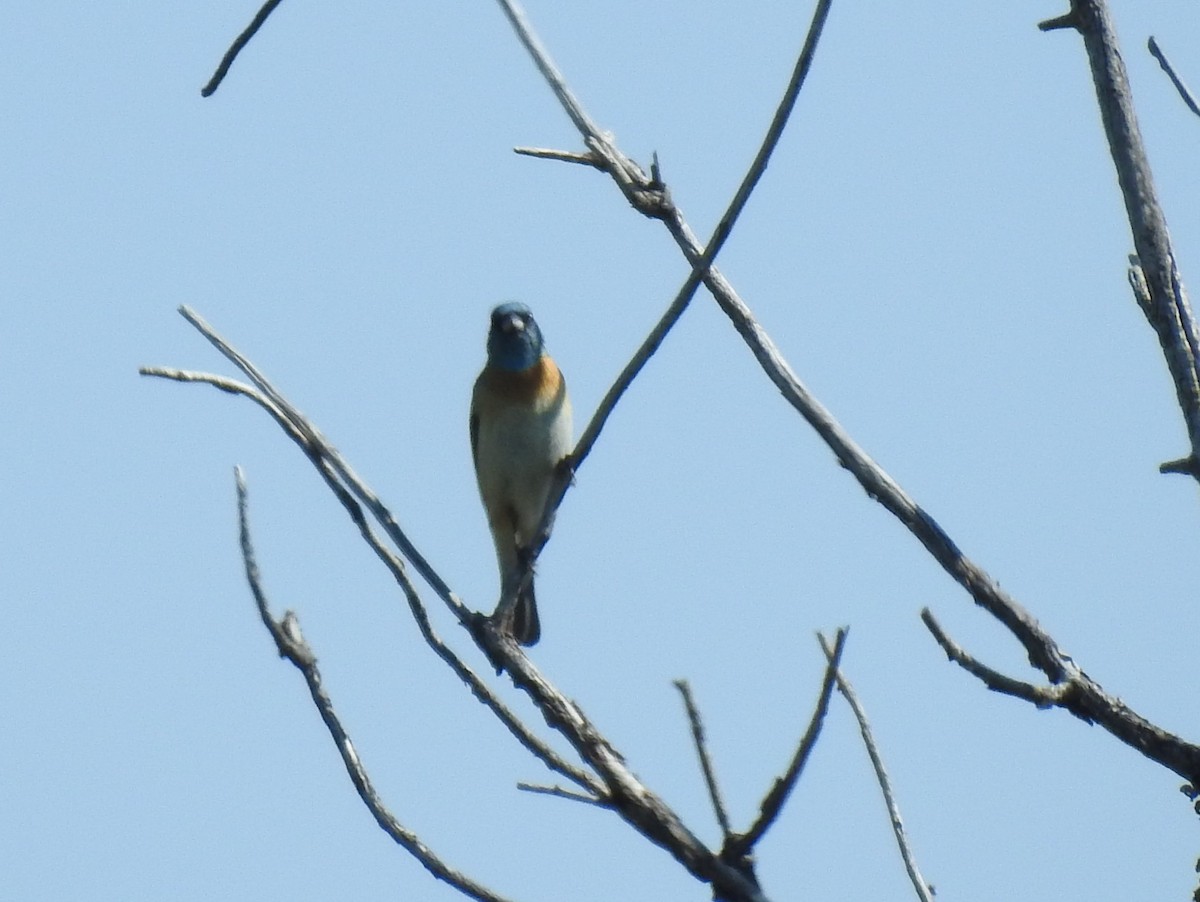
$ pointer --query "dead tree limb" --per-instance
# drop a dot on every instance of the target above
(1167, 308)
(1164, 301)
(922, 888)
(291, 646)
(610, 782)
(236, 47)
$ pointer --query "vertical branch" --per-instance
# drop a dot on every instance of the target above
(1167, 308)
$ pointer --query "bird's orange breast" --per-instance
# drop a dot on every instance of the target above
(537, 387)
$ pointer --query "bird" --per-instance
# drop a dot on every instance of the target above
(520, 432)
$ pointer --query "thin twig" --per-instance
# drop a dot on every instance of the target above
(1188, 99)
(702, 264)
(564, 156)
(698, 739)
(236, 47)
(1042, 696)
(316, 452)
(772, 804)
(922, 888)
(334, 459)
(562, 793)
(1080, 695)
(292, 646)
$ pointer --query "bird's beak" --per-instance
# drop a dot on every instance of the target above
(513, 324)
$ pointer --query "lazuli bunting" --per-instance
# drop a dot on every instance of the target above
(520, 431)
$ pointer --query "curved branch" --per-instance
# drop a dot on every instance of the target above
(292, 646)
(315, 448)
(1042, 696)
(314, 440)
(741, 845)
(236, 47)
(1083, 697)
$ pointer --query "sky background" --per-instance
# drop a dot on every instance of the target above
(938, 249)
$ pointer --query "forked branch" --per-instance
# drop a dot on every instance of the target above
(1168, 310)
(637, 187)
(345, 487)
(739, 846)
(609, 783)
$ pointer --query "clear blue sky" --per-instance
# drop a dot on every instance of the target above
(939, 250)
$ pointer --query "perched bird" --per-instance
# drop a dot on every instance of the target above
(520, 431)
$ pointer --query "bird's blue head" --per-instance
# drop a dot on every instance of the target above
(515, 341)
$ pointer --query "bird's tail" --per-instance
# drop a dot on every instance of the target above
(527, 629)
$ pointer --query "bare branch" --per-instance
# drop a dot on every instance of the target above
(564, 156)
(772, 804)
(1058, 23)
(315, 442)
(1172, 319)
(710, 777)
(633, 182)
(236, 47)
(1188, 99)
(562, 793)
(308, 438)
(630, 798)
(874, 480)
(1168, 309)
(291, 645)
(1082, 696)
(923, 890)
(703, 263)
(1186, 466)
(606, 157)
(1042, 696)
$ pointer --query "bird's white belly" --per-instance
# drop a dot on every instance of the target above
(522, 448)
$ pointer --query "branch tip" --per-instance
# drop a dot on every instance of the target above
(701, 744)
(563, 793)
(1067, 20)
(236, 47)
(920, 885)
(1180, 87)
(564, 156)
(1186, 466)
(739, 847)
